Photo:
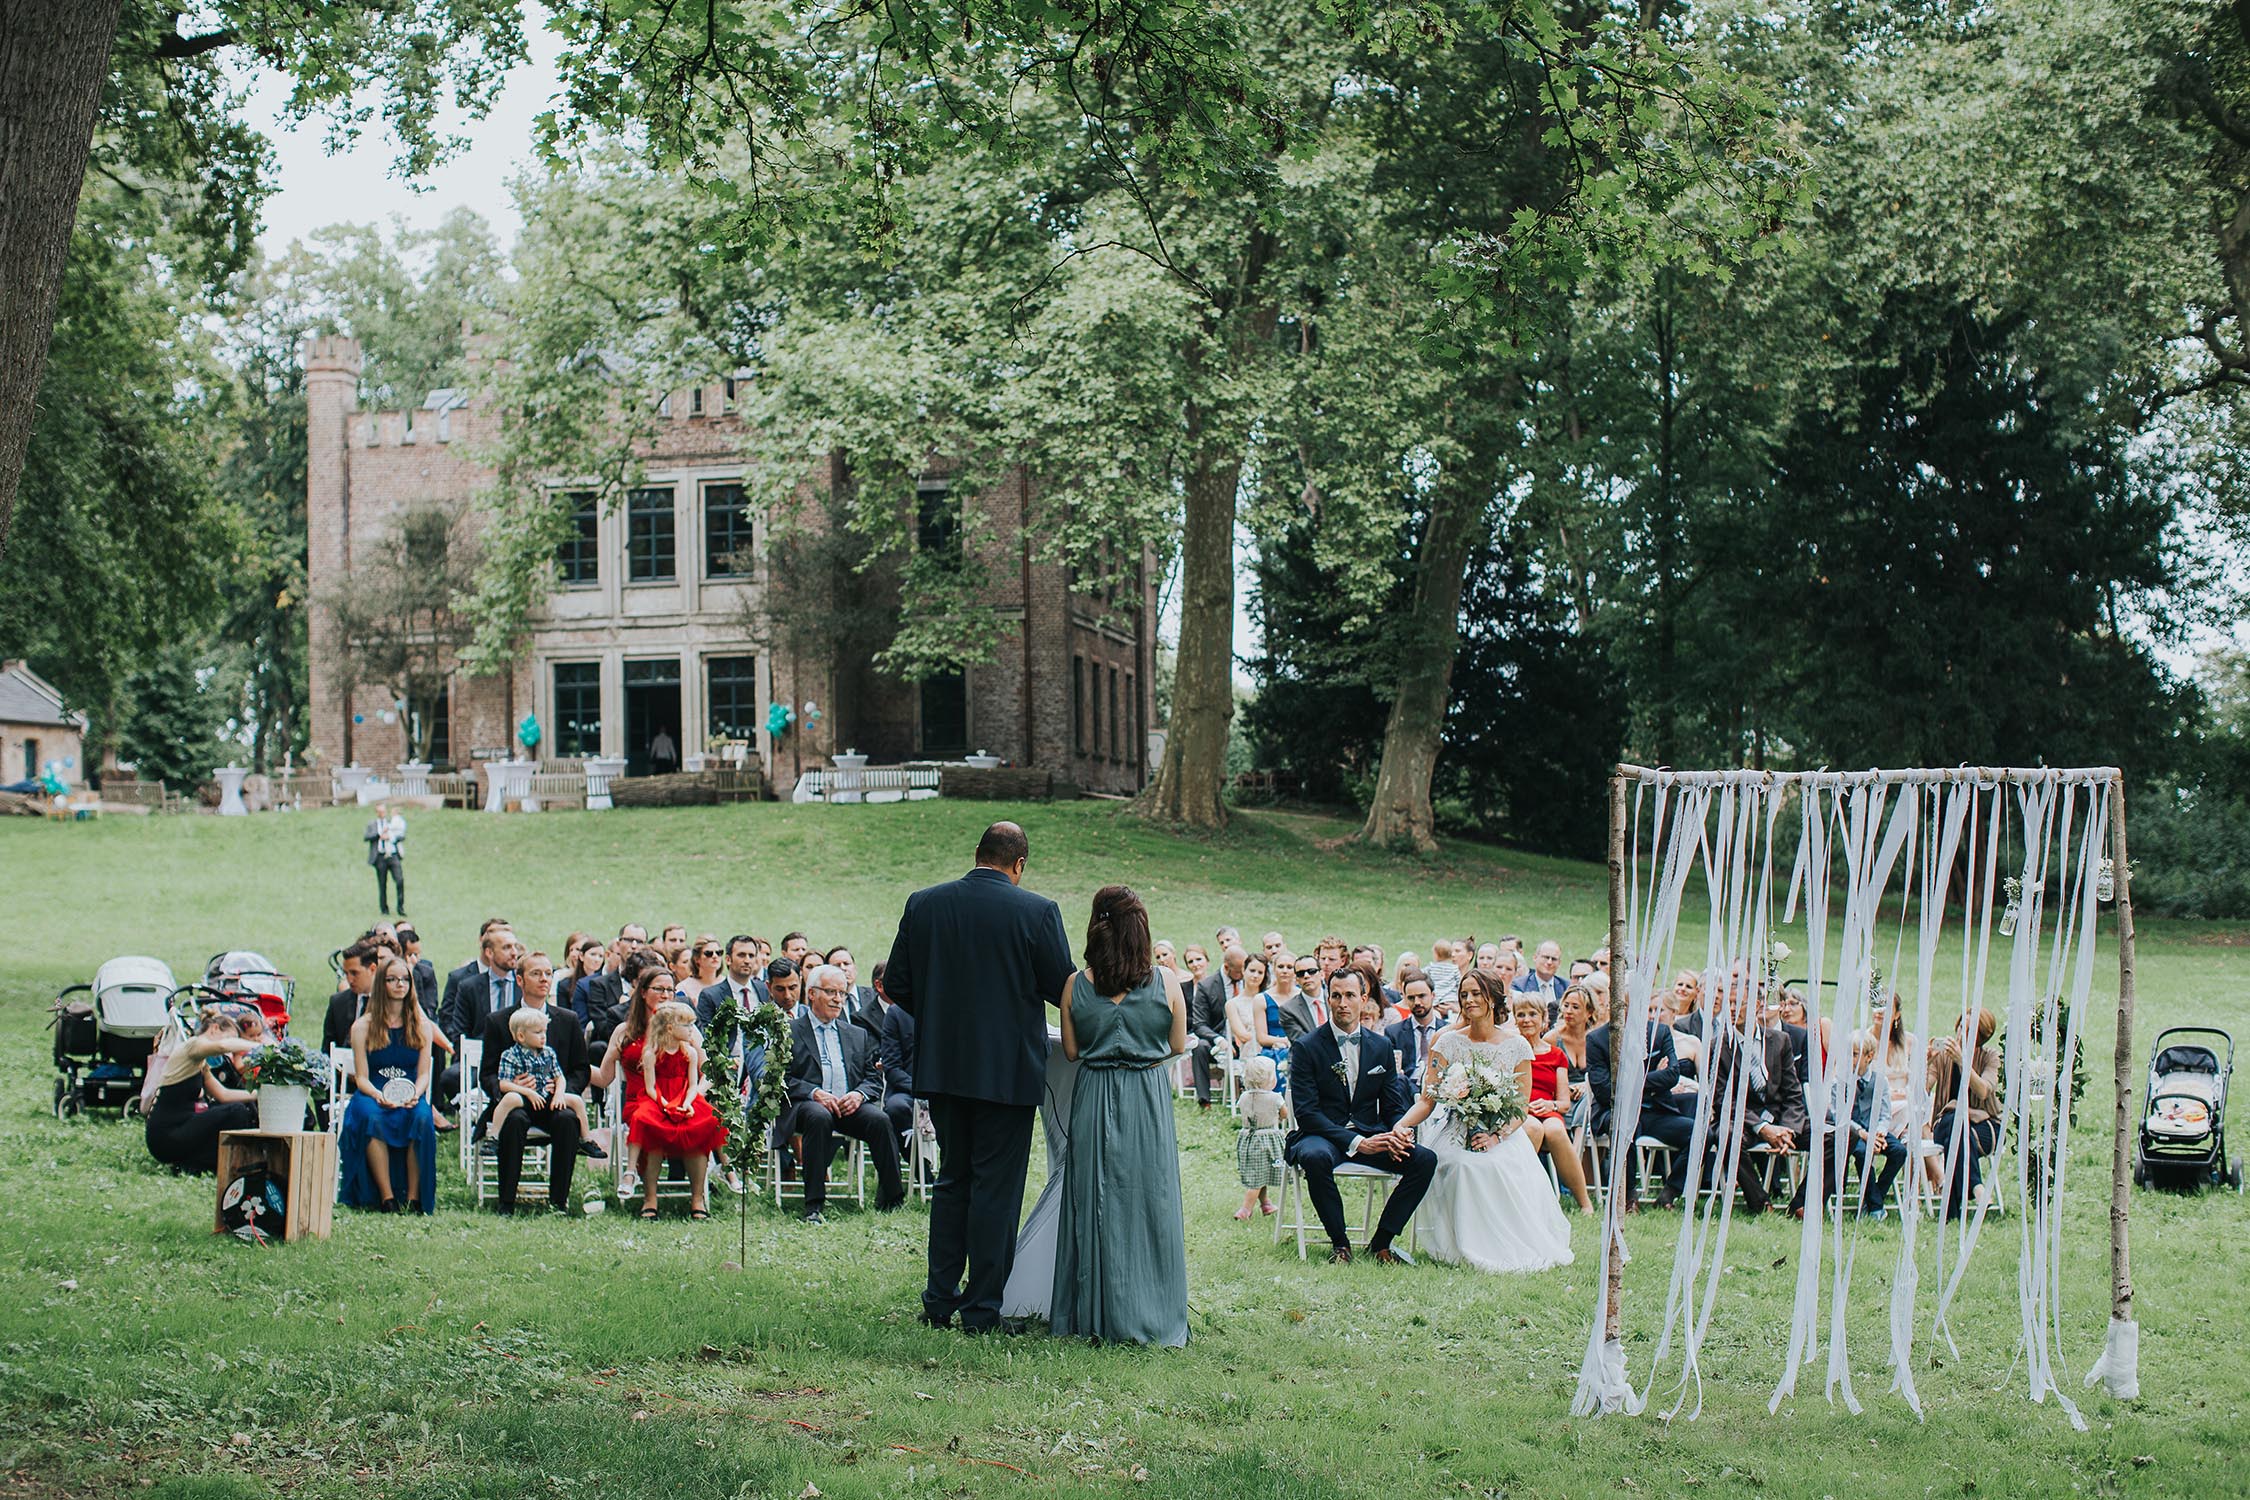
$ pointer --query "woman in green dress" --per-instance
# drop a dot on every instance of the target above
(1121, 1251)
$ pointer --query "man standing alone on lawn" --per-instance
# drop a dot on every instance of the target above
(386, 851)
(976, 963)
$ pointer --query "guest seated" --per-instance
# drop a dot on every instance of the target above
(1569, 1035)
(388, 1150)
(1773, 1097)
(674, 1120)
(1350, 1094)
(831, 1078)
(1544, 1111)
(621, 1060)
(1411, 1037)
(180, 1135)
(358, 968)
(1683, 1003)
(1664, 1116)
(1871, 1125)
(897, 1052)
(1967, 1101)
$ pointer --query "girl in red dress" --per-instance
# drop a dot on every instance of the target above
(621, 1060)
(672, 1117)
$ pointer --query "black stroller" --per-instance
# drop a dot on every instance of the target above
(2184, 1121)
(102, 1045)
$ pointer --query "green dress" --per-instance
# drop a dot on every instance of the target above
(1121, 1251)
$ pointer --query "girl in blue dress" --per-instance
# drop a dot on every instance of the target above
(389, 1147)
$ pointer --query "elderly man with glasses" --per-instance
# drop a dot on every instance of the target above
(833, 1081)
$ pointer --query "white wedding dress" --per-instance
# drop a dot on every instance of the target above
(1493, 1210)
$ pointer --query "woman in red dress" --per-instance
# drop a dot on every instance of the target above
(1544, 1110)
(652, 986)
(673, 1119)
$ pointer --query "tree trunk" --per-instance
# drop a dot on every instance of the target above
(1400, 815)
(53, 60)
(1191, 780)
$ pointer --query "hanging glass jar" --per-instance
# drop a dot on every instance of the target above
(2105, 881)
(2009, 917)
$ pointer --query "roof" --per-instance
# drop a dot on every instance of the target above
(25, 698)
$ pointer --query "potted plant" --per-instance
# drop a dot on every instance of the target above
(287, 1079)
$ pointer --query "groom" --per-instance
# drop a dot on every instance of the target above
(1349, 1092)
(976, 963)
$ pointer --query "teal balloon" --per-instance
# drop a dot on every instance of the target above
(778, 716)
(528, 731)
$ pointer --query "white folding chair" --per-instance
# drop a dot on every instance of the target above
(852, 1188)
(1296, 1216)
(477, 1165)
(921, 1153)
(342, 1082)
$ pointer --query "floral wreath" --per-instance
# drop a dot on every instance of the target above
(747, 1123)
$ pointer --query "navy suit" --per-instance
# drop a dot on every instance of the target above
(977, 961)
(897, 1051)
(1328, 1117)
(1404, 1041)
(707, 1014)
(1662, 1117)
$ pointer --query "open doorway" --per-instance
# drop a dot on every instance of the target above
(945, 716)
(652, 716)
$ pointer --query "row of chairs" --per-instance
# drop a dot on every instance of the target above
(605, 1113)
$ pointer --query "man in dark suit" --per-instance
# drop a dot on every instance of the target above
(475, 965)
(897, 1052)
(1664, 1116)
(1207, 1018)
(493, 987)
(1349, 1092)
(1411, 1038)
(345, 1005)
(1293, 998)
(834, 1090)
(601, 997)
(1773, 1105)
(977, 962)
(561, 1126)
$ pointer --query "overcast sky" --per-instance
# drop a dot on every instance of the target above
(359, 186)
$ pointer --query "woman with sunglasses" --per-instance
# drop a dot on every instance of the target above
(705, 959)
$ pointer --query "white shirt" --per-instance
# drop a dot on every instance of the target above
(1347, 1042)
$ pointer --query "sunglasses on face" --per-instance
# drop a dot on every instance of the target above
(1307, 973)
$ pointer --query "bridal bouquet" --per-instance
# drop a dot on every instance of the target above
(1479, 1100)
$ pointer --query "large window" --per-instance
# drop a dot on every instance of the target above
(937, 522)
(1078, 705)
(578, 709)
(1113, 737)
(579, 557)
(733, 695)
(651, 553)
(726, 531)
(1132, 723)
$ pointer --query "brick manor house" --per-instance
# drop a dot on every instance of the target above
(648, 629)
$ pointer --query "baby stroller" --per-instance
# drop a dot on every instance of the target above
(102, 1045)
(2184, 1123)
(251, 977)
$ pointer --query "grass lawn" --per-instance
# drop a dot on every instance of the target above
(466, 1356)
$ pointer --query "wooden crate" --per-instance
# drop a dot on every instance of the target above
(306, 1163)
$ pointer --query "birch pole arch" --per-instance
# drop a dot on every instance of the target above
(1940, 893)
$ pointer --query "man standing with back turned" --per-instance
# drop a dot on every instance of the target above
(976, 963)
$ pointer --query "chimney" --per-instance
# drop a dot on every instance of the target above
(332, 365)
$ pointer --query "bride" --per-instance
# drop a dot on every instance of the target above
(1490, 1205)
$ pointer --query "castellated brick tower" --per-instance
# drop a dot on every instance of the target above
(331, 395)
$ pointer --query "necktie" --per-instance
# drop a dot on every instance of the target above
(1757, 1049)
(502, 992)
(1421, 1046)
(1351, 1063)
(831, 1066)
